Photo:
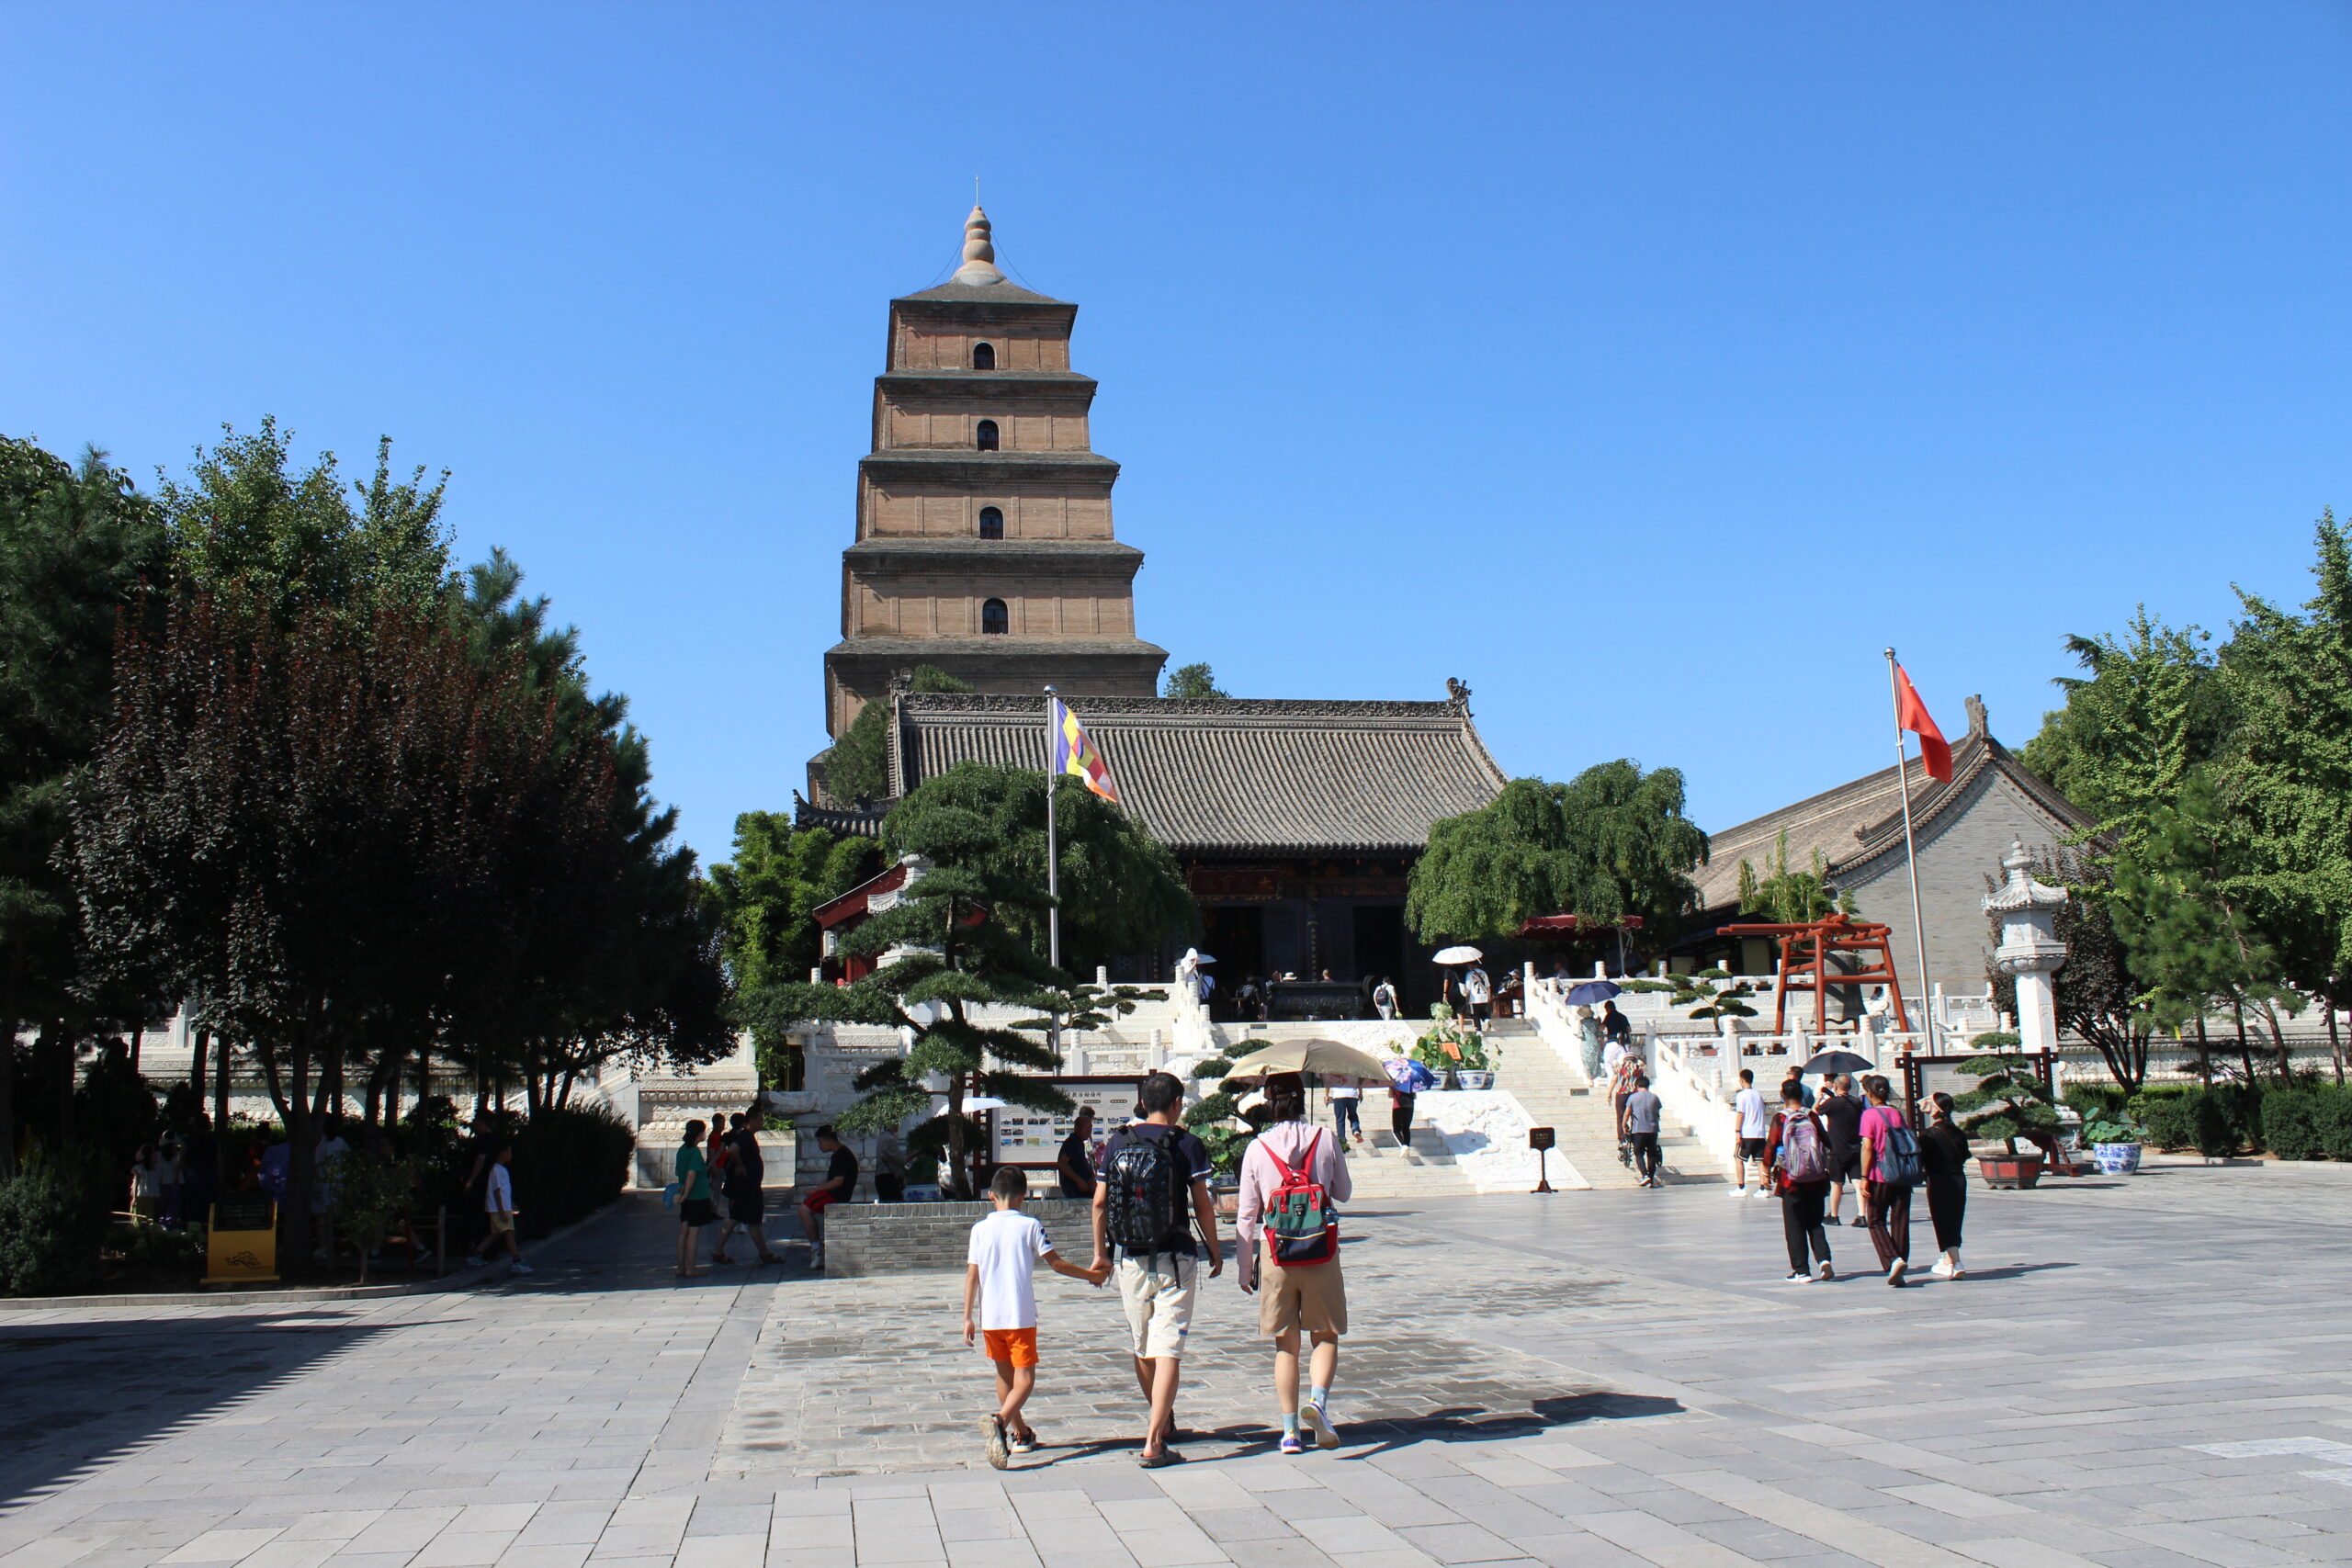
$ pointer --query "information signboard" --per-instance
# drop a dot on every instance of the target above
(242, 1245)
(1034, 1138)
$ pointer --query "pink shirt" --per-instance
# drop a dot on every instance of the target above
(1876, 1121)
(1260, 1179)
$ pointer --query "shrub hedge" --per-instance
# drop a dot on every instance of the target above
(2303, 1119)
(569, 1163)
(52, 1223)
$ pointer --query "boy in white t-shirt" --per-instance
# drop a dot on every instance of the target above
(1004, 1251)
(498, 1204)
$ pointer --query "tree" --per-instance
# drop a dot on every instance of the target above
(2097, 999)
(79, 551)
(2179, 909)
(858, 766)
(1784, 896)
(1610, 843)
(1198, 682)
(2289, 682)
(2127, 738)
(2010, 1100)
(765, 897)
(1121, 891)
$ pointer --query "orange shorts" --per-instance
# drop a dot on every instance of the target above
(1018, 1346)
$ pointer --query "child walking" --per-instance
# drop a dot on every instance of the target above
(1004, 1250)
(498, 1204)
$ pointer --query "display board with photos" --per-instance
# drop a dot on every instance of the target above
(1034, 1138)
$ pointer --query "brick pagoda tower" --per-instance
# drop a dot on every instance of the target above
(984, 542)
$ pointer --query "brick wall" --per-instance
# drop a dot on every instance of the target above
(925, 1239)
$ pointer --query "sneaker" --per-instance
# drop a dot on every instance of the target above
(816, 1259)
(1289, 1444)
(1858, 1222)
(1000, 1450)
(474, 1262)
(1315, 1423)
(1895, 1273)
(1763, 1192)
(1797, 1277)
(1940, 1269)
(1827, 1273)
(1737, 1192)
(521, 1267)
(1023, 1442)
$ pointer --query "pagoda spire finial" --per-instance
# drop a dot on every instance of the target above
(980, 250)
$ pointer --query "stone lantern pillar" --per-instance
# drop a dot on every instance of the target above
(2029, 950)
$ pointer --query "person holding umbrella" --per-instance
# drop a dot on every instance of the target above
(1842, 1114)
(1407, 1078)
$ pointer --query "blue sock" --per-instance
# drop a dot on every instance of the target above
(1321, 1396)
(1290, 1424)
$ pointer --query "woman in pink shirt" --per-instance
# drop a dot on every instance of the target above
(1311, 1296)
(1888, 1204)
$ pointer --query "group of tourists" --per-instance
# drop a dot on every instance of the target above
(720, 1162)
(1809, 1151)
(1153, 1221)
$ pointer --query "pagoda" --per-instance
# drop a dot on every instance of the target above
(984, 542)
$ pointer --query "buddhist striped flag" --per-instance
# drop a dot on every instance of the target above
(1075, 752)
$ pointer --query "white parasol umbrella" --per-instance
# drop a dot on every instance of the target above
(1311, 1056)
(1458, 956)
(982, 1102)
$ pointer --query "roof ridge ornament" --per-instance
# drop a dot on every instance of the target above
(980, 250)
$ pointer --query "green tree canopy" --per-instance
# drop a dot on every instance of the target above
(765, 895)
(1784, 895)
(1121, 890)
(80, 550)
(1611, 843)
(858, 765)
(1197, 680)
(2151, 709)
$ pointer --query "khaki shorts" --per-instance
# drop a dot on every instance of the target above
(499, 1224)
(1158, 1294)
(1312, 1296)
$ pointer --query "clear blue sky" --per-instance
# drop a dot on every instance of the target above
(1649, 366)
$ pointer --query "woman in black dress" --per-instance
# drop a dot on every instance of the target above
(1943, 1155)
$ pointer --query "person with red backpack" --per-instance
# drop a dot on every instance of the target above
(1803, 1163)
(1289, 1253)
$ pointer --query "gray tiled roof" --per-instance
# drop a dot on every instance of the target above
(1241, 777)
(1007, 293)
(1859, 821)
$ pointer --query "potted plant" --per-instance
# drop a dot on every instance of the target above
(1446, 1046)
(2115, 1144)
(2008, 1103)
(1477, 1068)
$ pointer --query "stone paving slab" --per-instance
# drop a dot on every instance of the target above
(2142, 1372)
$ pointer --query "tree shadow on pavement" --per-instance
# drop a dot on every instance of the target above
(76, 1395)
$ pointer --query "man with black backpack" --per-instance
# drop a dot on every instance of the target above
(1153, 1193)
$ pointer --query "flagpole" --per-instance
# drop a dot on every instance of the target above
(1910, 849)
(1053, 871)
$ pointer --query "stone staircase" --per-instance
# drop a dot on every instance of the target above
(1558, 1095)
(1387, 1172)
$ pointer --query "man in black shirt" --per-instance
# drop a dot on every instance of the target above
(1615, 1025)
(1076, 1162)
(1842, 1114)
(838, 1186)
(746, 1203)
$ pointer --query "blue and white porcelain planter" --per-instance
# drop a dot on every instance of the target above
(2116, 1160)
(1472, 1078)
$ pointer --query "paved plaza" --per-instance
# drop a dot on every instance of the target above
(2136, 1373)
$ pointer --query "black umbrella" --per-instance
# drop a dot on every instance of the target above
(1840, 1062)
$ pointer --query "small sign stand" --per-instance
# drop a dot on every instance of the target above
(242, 1245)
(1539, 1140)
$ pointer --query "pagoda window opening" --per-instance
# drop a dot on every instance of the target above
(984, 356)
(995, 619)
(985, 438)
(991, 522)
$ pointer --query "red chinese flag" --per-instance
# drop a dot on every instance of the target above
(1911, 714)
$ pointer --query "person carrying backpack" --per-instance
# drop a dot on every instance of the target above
(1154, 1192)
(1890, 1170)
(1800, 1162)
(1289, 1254)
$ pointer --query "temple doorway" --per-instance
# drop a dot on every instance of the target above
(1380, 942)
(1234, 935)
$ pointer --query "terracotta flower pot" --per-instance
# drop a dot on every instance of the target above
(2011, 1172)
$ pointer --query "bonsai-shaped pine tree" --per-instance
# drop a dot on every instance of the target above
(2009, 1101)
(1704, 992)
(947, 949)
